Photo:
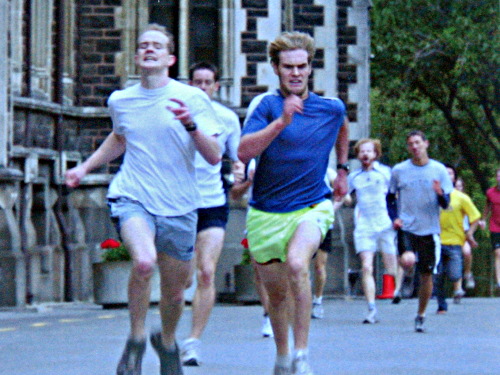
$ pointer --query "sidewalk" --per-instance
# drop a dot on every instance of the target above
(86, 340)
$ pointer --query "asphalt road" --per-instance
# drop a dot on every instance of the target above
(83, 339)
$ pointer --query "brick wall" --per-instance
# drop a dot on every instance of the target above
(346, 35)
(86, 135)
(97, 42)
(40, 134)
(255, 50)
(306, 17)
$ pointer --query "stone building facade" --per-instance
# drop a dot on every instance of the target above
(64, 58)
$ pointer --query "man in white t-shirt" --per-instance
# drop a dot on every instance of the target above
(373, 229)
(159, 125)
(212, 213)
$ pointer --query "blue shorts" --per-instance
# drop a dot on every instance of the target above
(212, 217)
(174, 235)
(451, 262)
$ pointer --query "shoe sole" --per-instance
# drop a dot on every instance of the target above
(171, 362)
(419, 329)
(193, 362)
(132, 348)
(396, 300)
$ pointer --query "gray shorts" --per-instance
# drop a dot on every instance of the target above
(174, 235)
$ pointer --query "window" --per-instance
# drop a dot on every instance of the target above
(195, 26)
(204, 32)
(165, 12)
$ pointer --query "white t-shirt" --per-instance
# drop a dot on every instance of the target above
(371, 190)
(209, 176)
(158, 166)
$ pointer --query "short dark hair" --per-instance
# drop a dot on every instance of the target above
(203, 65)
(454, 171)
(414, 133)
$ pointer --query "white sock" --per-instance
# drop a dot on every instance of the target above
(283, 360)
(318, 300)
(301, 352)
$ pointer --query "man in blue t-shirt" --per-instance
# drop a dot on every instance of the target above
(422, 186)
(291, 132)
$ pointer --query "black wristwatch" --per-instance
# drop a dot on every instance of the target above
(345, 167)
(191, 127)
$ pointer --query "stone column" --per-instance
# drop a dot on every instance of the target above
(88, 211)
(47, 258)
(5, 110)
(12, 262)
(183, 45)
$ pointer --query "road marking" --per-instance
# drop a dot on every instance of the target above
(8, 329)
(41, 324)
(63, 321)
(106, 316)
(70, 320)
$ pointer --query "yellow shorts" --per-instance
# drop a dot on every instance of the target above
(269, 233)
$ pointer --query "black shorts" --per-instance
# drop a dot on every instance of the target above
(326, 245)
(427, 249)
(495, 240)
(212, 217)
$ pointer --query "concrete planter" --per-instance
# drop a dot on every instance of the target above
(111, 283)
(244, 283)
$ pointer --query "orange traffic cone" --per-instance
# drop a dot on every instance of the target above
(388, 286)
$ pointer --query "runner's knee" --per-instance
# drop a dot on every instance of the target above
(367, 269)
(297, 268)
(407, 259)
(144, 268)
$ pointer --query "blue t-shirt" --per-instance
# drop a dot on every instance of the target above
(290, 172)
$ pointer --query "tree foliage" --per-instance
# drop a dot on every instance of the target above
(435, 68)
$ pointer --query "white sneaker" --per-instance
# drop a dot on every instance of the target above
(190, 352)
(470, 283)
(267, 328)
(317, 311)
(300, 366)
(457, 296)
(371, 318)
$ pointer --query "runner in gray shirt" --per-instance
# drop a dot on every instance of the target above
(422, 186)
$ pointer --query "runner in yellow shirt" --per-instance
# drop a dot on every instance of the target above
(452, 239)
